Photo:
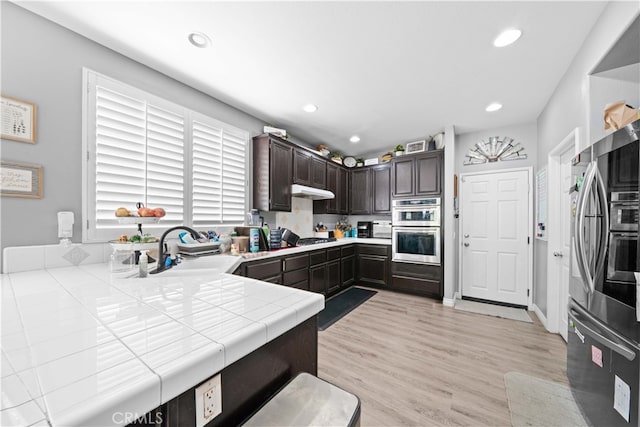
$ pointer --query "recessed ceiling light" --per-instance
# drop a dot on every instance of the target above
(310, 108)
(199, 39)
(507, 37)
(354, 139)
(494, 106)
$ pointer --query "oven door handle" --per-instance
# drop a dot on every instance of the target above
(604, 335)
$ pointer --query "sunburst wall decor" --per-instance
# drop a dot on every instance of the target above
(495, 150)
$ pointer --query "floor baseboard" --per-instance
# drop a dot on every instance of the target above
(541, 316)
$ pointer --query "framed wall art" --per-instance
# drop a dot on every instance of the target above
(20, 180)
(18, 120)
(415, 147)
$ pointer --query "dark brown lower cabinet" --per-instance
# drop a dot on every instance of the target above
(421, 279)
(334, 281)
(267, 270)
(326, 271)
(318, 279)
(295, 271)
(348, 271)
(373, 265)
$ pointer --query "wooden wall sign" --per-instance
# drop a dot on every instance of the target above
(17, 120)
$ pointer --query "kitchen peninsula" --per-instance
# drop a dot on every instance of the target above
(83, 346)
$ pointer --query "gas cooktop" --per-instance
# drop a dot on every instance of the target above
(315, 240)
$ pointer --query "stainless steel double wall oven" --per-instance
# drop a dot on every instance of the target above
(416, 229)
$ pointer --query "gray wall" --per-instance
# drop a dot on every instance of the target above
(570, 107)
(42, 63)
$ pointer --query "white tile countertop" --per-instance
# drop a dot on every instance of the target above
(82, 346)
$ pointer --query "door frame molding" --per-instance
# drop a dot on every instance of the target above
(555, 239)
(530, 221)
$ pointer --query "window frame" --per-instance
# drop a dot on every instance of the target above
(93, 234)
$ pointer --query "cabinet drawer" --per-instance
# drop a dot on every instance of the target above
(292, 277)
(333, 253)
(295, 262)
(381, 250)
(318, 257)
(416, 285)
(304, 285)
(422, 271)
(346, 251)
(264, 269)
(275, 279)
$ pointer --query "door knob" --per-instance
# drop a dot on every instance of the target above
(557, 254)
(466, 244)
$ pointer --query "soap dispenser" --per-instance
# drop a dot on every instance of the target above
(65, 227)
(143, 263)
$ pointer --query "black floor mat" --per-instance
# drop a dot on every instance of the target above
(338, 306)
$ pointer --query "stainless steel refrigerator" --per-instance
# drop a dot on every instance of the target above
(603, 351)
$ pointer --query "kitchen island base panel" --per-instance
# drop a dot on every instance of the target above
(251, 381)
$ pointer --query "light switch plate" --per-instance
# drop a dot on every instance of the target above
(208, 401)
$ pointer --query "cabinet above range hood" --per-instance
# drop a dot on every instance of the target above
(311, 193)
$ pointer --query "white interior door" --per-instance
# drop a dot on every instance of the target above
(495, 238)
(564, 255)
(559, 234)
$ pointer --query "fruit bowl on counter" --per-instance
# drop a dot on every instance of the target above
(138, 219)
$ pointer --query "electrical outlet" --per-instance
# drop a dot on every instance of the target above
(208, 401)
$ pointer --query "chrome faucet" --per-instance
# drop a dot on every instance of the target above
(162, 255)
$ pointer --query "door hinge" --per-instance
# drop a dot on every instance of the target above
(87, 224)
(527, 292)
(528, 240)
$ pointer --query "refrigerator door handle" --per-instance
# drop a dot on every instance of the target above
(581, 254)
(604, 229)
(576, 311)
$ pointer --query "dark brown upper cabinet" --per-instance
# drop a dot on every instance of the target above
(360, 193)
(381, 188)
(272, 173)
(623, 168)
(417, 175)
(337, 181)
(309, 169)
(343, 195)
(318, 172)
(302, 167)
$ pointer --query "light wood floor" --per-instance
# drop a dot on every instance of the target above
(413, 361)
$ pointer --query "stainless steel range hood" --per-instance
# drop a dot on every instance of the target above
(311, 193)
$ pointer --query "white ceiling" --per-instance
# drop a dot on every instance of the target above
(390, 72)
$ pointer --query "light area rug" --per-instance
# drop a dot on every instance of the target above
(493, 310)
(537, 402)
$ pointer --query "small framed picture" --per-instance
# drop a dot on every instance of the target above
(416, 147)
(20, 180)
(18, 120)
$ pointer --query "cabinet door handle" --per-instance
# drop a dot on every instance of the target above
(466, 236)
(557, 254)
(466, 244)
